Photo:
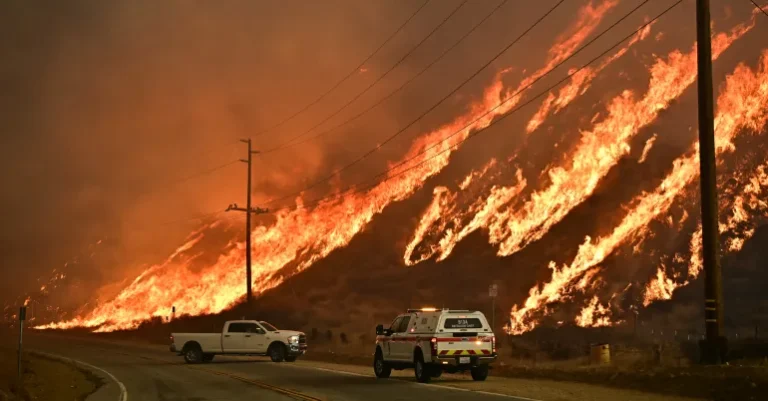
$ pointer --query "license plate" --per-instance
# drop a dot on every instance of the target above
(463, 359)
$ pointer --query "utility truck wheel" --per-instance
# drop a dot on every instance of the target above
(480, 373)
(422, 371)
(380, 367)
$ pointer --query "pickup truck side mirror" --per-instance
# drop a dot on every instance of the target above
(379, 329)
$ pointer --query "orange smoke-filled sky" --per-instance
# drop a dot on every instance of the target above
(111, 105)
(108, 105)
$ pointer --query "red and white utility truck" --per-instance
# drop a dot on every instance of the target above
(433, 340)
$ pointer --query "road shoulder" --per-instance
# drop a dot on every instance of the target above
(106, 386)
(45, 379)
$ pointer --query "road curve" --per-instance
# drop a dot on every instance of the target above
(162, 376)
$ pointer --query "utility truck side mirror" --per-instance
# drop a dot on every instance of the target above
(379, 329)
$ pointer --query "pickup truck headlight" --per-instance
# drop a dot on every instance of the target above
(293, 339)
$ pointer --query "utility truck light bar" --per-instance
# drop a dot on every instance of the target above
(421, 310)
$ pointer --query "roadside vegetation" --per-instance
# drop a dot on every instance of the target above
(42, 379)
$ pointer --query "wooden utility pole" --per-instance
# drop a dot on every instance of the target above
(249, 210)
(714, 346)
(22, 318)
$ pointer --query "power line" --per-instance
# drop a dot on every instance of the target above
(199, 216)
(446, 97)
(144, 196)
(373, 181)
(346, 77)
(391, 94)
(209, 151)
(205, 172)
(759, 8)
(173, 183)
(379, 79)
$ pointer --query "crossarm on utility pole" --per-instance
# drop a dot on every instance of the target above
(254, 210)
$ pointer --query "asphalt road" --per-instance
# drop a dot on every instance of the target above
(153, 375)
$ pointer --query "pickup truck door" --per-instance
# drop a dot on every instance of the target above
(388, 346)
(402, 349)
(233, 338)
(255, 339)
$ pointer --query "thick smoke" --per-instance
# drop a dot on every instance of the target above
(107, 107)
(112, 103)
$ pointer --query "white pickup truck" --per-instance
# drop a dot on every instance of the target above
(241, 337)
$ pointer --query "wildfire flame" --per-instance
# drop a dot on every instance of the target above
(739, 106)
(599, 150)
(747, 208)
(299, 237)
(594, 315)
(486, 213)
(579, 84)
(647, 148)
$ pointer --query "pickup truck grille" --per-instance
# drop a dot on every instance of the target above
(302, 339)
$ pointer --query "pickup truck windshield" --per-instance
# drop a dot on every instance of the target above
(268, 326)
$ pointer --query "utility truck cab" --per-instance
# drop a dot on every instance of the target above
(241, 337)
(435, 340)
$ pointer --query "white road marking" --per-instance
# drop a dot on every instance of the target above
(123, 391)
(515, 396)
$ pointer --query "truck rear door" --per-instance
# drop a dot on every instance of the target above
(464, 337)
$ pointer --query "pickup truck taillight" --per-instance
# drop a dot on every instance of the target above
(433, 346)
(171, 339)
(493, 344)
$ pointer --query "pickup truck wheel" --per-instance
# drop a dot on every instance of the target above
(479, 373)
(193, 355)
(290, 358)
(380, 367)
(422, 370)
(277, 352)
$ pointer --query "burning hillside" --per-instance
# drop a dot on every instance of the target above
(512, 201)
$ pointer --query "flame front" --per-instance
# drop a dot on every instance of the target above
(739, 106)
(598, 151)
(300, 237)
